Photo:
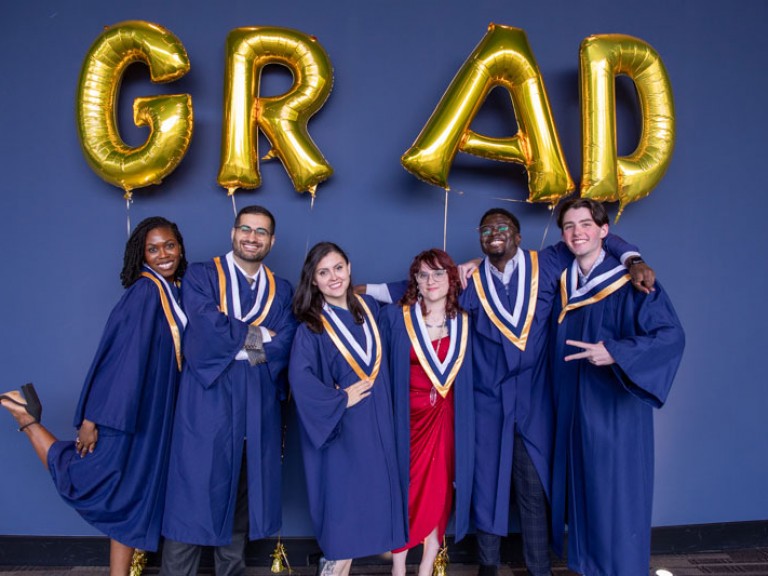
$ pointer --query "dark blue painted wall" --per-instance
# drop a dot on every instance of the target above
(63, 229)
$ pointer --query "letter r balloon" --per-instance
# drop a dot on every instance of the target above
(283, 119)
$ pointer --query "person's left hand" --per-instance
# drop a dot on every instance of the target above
(87, 436)
(595, 354)
(466, 269)
(643, 277)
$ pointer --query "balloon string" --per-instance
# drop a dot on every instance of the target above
(309, 228)
(128, 217)
(546, 228)
(234, 205)
(445, 221)
(511, 200)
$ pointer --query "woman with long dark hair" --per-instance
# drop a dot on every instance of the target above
(427, 337)
(339, 378)
(114, 473)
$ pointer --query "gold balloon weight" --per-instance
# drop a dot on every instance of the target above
(440, 567)
(138, 562)
(280, 559)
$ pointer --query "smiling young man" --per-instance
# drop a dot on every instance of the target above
(616, 352)
(223, 489)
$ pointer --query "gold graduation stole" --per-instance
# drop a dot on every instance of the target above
(441, 378)
(226, 280)
(170, 316)
(510, 326)
(352, 358)
(601, 287)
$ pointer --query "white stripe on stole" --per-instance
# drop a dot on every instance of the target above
(577, 292)
(347, 335)
(452, 331)
(261, 287)
(513, 318)
(176, 308)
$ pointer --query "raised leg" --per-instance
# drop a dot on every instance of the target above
(38, 435)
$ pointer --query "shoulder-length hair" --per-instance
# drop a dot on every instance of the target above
(308, 301)
(435, 259)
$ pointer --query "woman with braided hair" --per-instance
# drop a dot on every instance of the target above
(114, 474)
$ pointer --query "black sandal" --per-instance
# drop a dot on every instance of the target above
(33, 406)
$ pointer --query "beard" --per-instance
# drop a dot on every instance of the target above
(251, 256)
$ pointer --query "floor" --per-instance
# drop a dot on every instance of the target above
(750, 562)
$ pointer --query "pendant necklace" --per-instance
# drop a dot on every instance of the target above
(433, 391)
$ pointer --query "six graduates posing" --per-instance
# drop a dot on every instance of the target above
(398, 405)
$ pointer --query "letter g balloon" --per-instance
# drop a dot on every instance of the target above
(169, 117)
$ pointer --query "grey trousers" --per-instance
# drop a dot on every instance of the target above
(182, 559)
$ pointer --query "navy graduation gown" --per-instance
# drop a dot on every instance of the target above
(603, 470)
(395, 335)
(512, 392)
(129, 393)
(223, 401)
(355, 500)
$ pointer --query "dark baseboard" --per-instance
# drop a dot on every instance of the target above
(94, 551)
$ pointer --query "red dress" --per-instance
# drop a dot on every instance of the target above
(430, 489)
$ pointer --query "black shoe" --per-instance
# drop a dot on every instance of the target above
(487, 570)
(33, 406)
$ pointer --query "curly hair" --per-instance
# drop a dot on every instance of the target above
(435, 259)
(133, 258)
(308, 301)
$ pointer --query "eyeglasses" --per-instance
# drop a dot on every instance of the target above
(436, 275)
(247, 230)
(500, 229)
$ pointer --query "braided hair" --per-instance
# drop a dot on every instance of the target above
(133, 259)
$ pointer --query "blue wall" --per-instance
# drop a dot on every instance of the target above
(64, 229)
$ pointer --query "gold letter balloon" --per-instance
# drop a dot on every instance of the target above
(283, 119)
(503, 58)
(169, 117)
(626, 179)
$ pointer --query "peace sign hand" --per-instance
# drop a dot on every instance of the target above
(595, 354)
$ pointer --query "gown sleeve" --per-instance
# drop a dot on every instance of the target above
(212, 339)
(283, 324)
(560, 257)
(320, 404)
(649, 353)
(113, 387)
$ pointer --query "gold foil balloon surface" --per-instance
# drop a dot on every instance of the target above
(283, 119)
(503, 58)
(169, 117)
(607, 177)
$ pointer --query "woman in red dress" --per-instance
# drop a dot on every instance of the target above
(430, 362)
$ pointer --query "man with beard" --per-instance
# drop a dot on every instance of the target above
(222, 488)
